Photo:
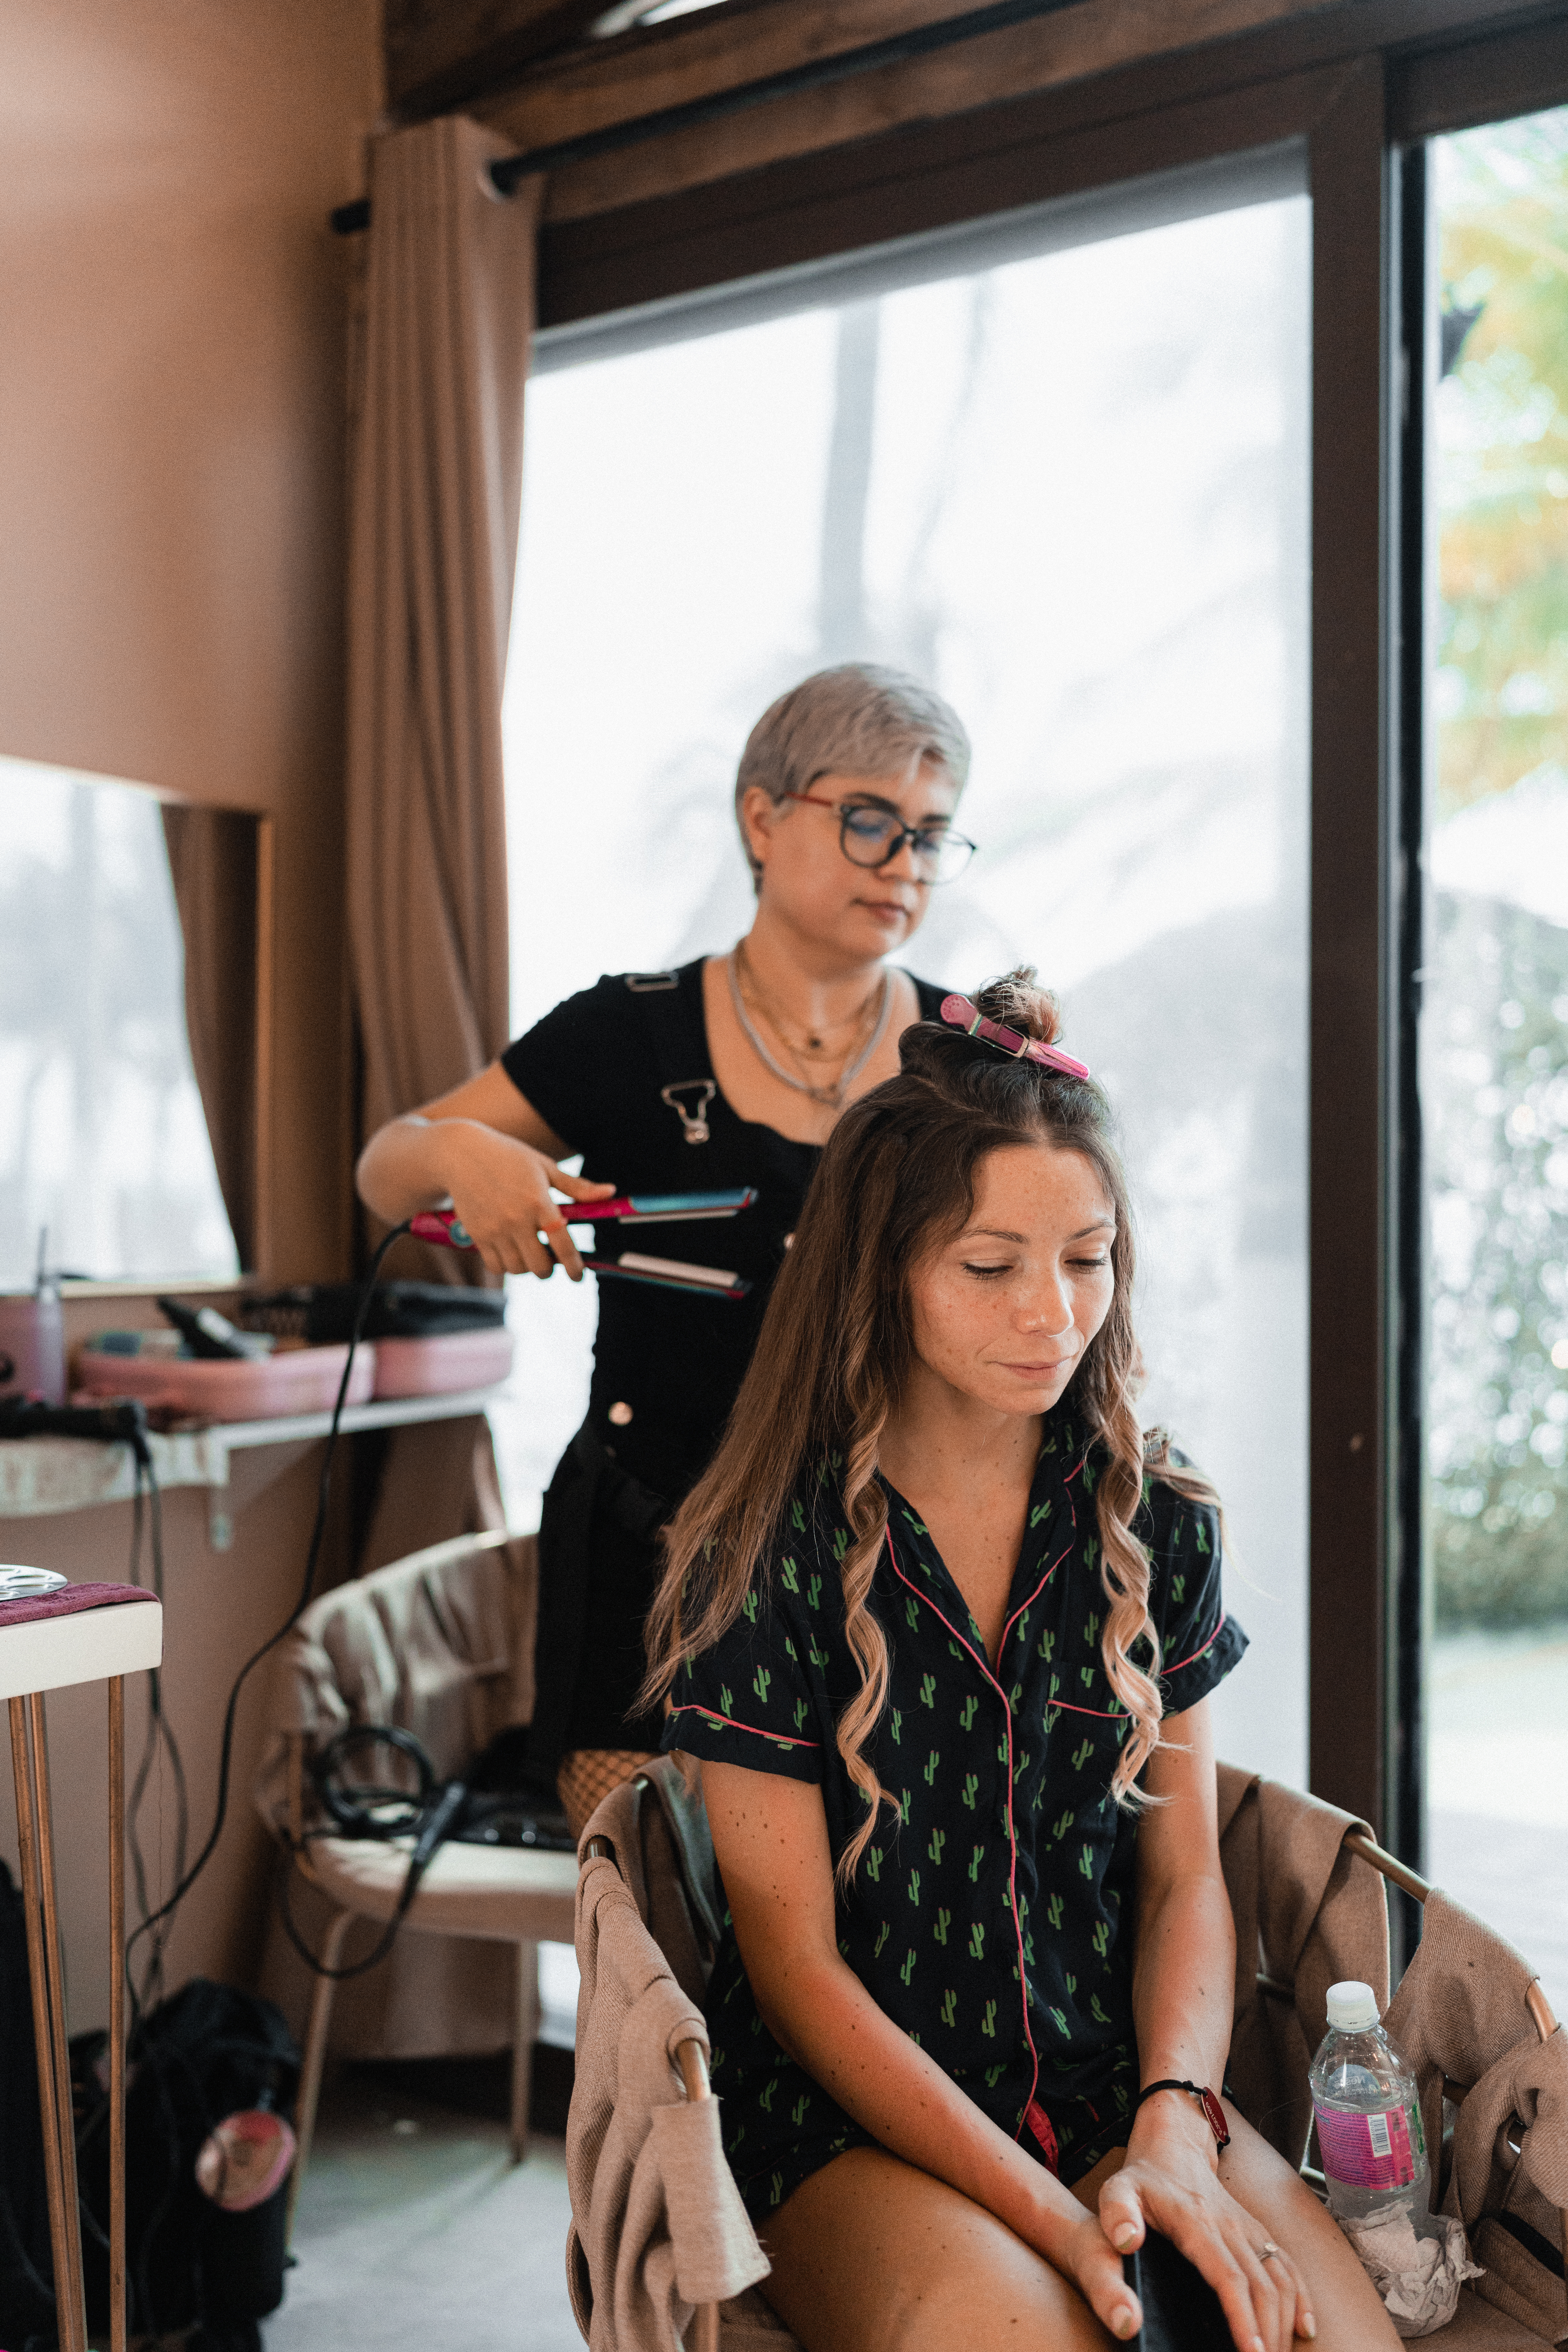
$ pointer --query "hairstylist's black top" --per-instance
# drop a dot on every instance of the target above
(598, 1069)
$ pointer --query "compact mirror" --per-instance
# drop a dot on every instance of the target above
(28, 1583)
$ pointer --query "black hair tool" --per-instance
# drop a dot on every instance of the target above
(1182, 2311)
(211, 1336)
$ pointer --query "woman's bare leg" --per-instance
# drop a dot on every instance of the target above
(1342, 2298)
(872, 2255)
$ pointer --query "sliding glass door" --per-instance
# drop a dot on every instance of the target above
(1494, 1041)
(1057, 464)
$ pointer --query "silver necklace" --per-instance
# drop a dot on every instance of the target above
(832, 1096)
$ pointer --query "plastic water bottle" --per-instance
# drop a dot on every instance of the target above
(1368, 2108)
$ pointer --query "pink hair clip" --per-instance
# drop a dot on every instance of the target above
(959, 1013)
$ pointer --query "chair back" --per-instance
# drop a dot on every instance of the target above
(1309, 1913)
(660, 2239)
(664, 1851)
(1492, 2063)
(433, 1644)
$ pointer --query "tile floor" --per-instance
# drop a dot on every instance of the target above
(415, 2233)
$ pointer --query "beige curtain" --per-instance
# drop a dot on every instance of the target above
(437, 484)
(436, 491)
(214, 860)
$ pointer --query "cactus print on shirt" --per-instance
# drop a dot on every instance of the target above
(991, 1913)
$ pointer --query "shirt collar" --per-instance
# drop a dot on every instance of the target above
(1057, 1499)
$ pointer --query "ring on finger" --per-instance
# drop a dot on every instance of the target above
(1268, 2248)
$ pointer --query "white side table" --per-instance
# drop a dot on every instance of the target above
(109, 1631)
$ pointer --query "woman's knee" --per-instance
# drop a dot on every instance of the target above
(873, 2255)
(1346, 2307)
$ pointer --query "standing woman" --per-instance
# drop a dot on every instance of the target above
(730, 1072)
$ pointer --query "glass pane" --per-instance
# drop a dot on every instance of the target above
(1067, 488)
(102, 1137)
(1495, 1049)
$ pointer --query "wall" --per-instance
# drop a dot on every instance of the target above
(173, 399)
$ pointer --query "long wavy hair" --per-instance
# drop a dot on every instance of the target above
(895, 1183)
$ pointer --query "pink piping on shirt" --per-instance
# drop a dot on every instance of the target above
(1039, 1587)
(1012, 1835)
(779, 1739)
(1118, 1714)
(1212, 1638)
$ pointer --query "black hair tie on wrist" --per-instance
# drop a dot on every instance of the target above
(1214, 2113)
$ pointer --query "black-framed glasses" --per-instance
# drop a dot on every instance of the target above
(873, 836)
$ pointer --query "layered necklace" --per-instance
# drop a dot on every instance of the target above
(869, 1020)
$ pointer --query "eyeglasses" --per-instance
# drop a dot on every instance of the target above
(872, 837)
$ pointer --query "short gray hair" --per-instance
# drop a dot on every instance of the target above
(859, 720)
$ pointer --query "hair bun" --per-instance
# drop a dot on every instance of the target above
(1019, 1003)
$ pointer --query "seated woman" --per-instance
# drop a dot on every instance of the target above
(941, 1624)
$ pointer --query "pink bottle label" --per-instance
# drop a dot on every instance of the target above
(1366, 2151)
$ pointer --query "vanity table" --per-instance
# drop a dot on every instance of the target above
(43, 1475)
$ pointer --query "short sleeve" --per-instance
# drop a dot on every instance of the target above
(753, 1699)
(1199, 1640)
(560, 1064)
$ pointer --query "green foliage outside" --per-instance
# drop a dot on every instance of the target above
(1502, 459)
(1498, 1403)
(1496, 1076)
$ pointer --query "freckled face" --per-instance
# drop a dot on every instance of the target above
(1005, 1311)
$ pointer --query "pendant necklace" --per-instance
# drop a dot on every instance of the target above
(832, 1096)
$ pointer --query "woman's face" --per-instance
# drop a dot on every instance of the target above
(807, 883)
(1004, 1312)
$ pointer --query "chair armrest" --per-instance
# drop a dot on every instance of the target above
(693, 2061)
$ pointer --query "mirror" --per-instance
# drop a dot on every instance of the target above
(130, 1030)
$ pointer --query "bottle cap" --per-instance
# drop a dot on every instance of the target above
(1352, 2008)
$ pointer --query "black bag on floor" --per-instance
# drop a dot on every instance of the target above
(26, 2292)
(203, 2054)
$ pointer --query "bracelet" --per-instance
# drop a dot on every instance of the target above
(1214, 2113)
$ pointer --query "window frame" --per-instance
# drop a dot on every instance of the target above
(1524, 71)
(1359, 116)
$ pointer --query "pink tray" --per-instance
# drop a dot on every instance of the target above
(448, 1360)
(299, 1380)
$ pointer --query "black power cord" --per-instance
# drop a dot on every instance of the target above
(154, 1920)
(431, 1813)
(160, 1732)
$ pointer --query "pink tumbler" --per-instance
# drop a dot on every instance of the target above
(32, 1345)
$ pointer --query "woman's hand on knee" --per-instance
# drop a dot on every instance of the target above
(1082, 2252)
(1170, 2185)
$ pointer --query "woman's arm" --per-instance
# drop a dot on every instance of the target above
(484, 1148)
(770, 1835)
(1182, 2000)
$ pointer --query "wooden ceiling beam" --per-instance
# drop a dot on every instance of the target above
(1078, 44)
(484, 53)
(1075, 45)
(443, 54)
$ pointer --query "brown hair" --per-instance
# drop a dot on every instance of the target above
(896, 1181)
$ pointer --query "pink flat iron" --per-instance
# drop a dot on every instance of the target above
(646, 1208)
(627, 1209)
(670, 1274)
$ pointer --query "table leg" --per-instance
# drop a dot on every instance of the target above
(53, 2082)
(77, 2295)
(117, 2014)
